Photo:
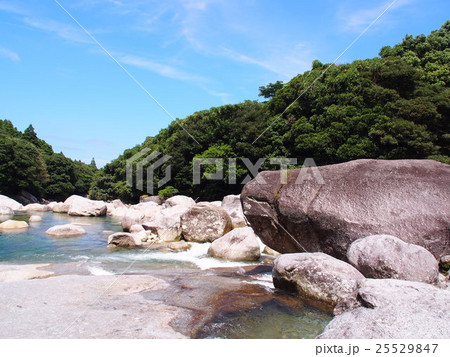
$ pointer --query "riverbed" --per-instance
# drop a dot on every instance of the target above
(197, 296)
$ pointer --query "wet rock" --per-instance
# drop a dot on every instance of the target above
(205, 222)
(269, 251)
(66, 230)
(232, 204)
(318, 278)
(387, 257)
(179, 246)
(11, 225)
(394, 309)
(241, 244)
(404, 198)
(124, 240)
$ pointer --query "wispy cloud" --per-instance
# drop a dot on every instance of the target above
(8, 6)
(60, 29)
(159, 68)
(356, 21)
(13, 56)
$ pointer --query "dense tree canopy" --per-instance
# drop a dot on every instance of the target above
(29, 163)
(390, 107)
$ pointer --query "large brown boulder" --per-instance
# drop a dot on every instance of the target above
(394, 309)
(387, 257)
(328, 208)
(318, 278)
(205, 222)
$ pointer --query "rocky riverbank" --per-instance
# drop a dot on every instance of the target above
(369, 245)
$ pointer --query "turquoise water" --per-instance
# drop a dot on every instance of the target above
(33, 246)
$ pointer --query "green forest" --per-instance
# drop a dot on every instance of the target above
(394, 106)
(29, 163)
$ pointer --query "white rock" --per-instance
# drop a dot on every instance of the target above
(35, 219)
(9, 202)
(65, 230)
(179, 200)
(6, 211)
(81, 206)
(241, 244)
(11, 225)
(166, 224)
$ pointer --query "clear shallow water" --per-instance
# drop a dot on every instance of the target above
(33, 245)
(271, 320)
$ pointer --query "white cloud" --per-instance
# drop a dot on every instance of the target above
(62, 30)
(161, 69)
(356, 21)
(13, 56)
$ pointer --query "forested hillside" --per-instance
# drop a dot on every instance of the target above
(390, 107)
(29, 163)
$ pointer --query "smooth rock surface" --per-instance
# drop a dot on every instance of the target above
(35, 219)
(6, 211)
(318, 278)
(11, 225)
(205, 222)
(36, 207)
(387, 257)
(65, 230)
(23, 272)
(404, 198)
(130, 218)
(179, 200)
(166, 224)
(394, 309)
(9, 202)
(240, 244)
(232, 204)
(81, 206)
(61, 207)
(124, 240)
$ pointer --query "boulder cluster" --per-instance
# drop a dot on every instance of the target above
(368, 242)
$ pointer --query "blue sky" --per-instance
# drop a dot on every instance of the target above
(189, 54)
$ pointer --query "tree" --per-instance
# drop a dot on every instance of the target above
(270, 90)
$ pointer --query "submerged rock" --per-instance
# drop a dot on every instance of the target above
(384, 257)
(65, 230)
(328, 208)
(394, 309)
(11, 225)
(318, 278)
(205, 222)
(241, 244)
